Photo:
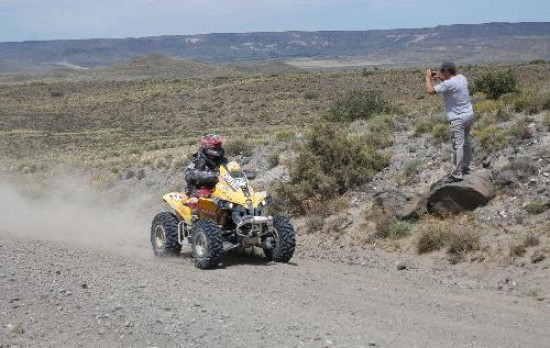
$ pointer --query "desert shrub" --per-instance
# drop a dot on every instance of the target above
(432, 237)
(387, 227)
(357, 105)
(236, 147)
(535, 207)
(495, 84)
(458, 238)
(382, 124)
(435, 126)
(489, 106)
(518, 248)
(463, 239)
(520, 129)
(503, 114)
(399, 229)
(411, 168)
(311, 94)
(329, 163)
(529, 103)
(382, 222)
(492, 138)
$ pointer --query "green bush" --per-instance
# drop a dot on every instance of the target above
(358, 105)
(329, 163)
(495, 84)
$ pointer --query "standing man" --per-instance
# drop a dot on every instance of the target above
(459, 113)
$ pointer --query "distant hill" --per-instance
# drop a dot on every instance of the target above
(467, 44)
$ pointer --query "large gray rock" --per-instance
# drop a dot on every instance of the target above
(446, 198)
(401, 205)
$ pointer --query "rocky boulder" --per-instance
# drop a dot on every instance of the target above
(401, 205)
(446, 198)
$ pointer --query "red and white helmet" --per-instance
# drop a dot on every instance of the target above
(211, 146)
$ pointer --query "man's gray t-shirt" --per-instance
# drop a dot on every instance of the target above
(457, 98)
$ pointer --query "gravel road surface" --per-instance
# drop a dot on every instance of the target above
(68, 295)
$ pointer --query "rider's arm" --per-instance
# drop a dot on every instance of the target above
(197, 172)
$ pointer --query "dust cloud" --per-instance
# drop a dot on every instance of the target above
(70, 210)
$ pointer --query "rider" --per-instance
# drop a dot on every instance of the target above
(203, 170)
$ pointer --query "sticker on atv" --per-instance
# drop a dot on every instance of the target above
(176, 196)
(235, 183)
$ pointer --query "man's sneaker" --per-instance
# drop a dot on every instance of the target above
(452, 178)
(468, 170)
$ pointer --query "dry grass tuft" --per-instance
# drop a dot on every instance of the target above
(458, 235)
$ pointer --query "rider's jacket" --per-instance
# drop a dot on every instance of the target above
(203, 172)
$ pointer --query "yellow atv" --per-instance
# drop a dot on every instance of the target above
(230, 216)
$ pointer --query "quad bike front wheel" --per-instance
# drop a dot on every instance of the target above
(164, 235)
(206, 244)
(282, 246)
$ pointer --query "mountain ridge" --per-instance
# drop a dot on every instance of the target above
(497, 42)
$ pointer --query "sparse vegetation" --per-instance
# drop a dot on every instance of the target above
(457, 236)
(462, 240)
(333, 138)
(431, 237)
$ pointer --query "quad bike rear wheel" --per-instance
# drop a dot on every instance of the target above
(164, 235)
(284, 240)
(206, 244)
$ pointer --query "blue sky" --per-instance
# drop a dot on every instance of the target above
(22, 20)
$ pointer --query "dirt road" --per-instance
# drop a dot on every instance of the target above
(65, 296)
